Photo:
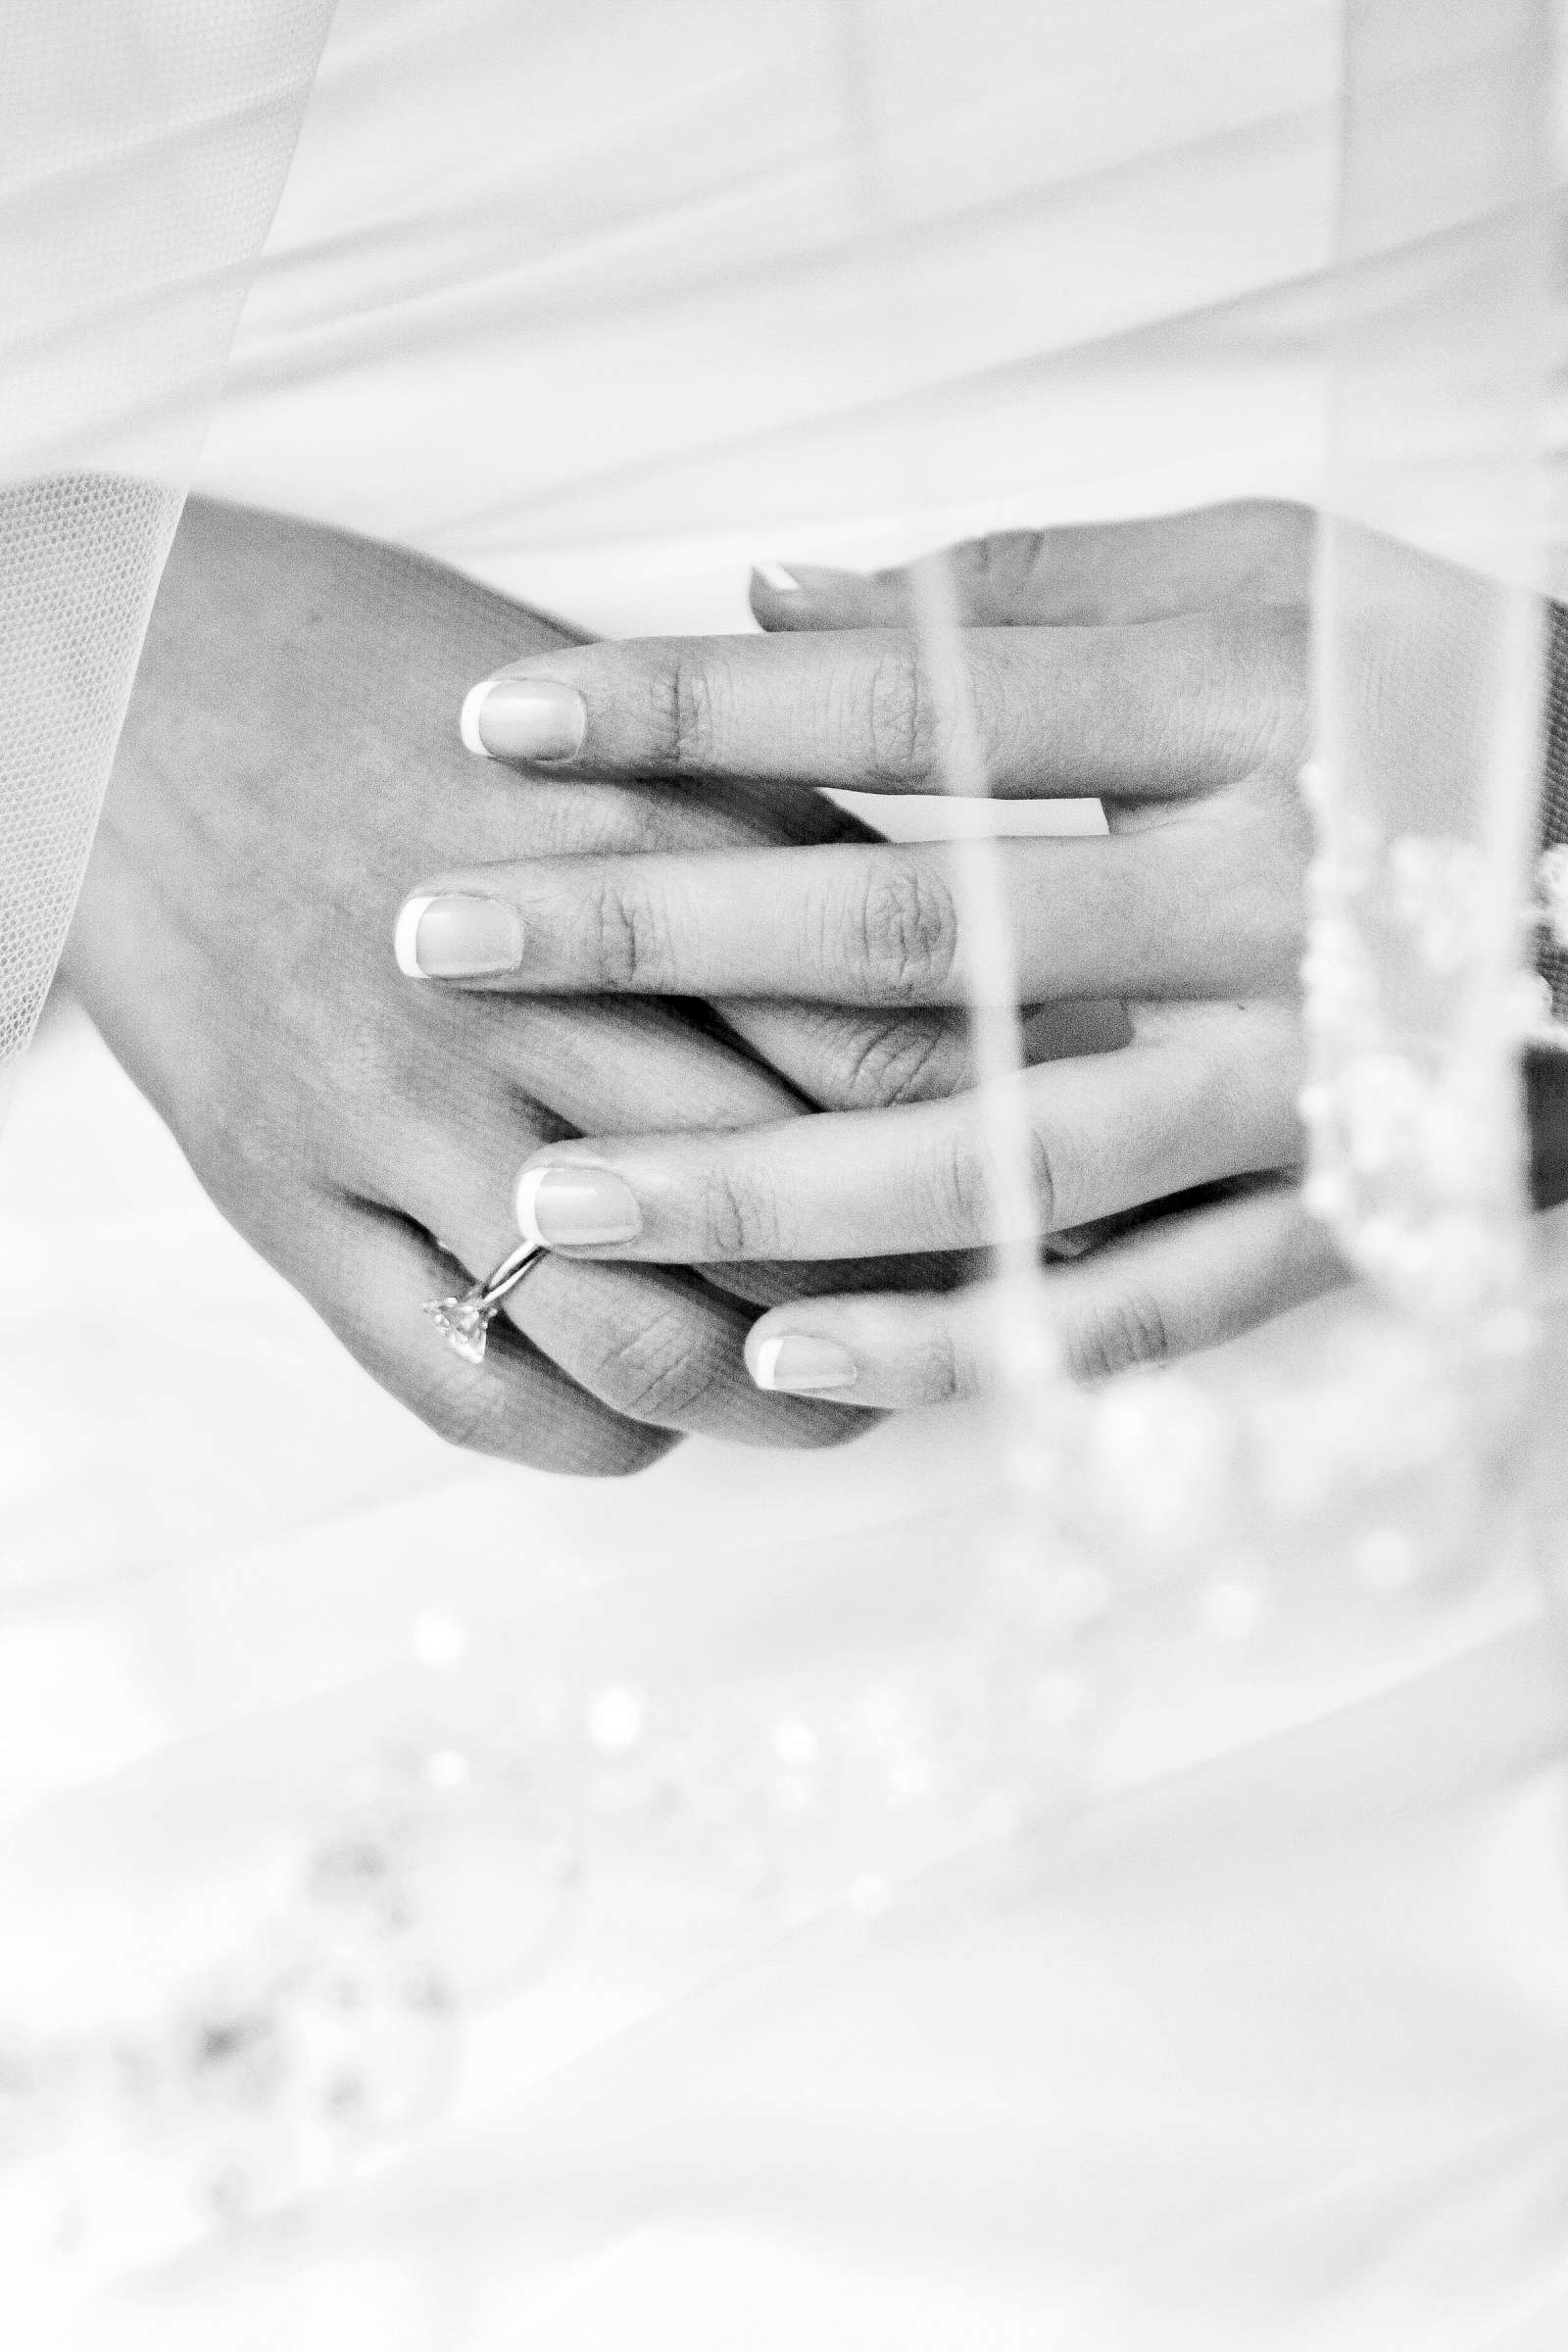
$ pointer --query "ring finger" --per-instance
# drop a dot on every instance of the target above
(656, 1345)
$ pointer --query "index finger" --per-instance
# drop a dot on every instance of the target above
(1163, 708)
(1248, 550)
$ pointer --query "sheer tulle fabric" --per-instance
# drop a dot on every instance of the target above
(1152, 2095)
(143, 152)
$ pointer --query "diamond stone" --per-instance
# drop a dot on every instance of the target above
(464, 1323)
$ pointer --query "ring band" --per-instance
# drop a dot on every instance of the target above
(463, 1322)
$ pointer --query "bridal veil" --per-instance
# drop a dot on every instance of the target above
(144, 152)
(1372, 1466)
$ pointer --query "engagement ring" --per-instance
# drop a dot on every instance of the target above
(464, 1322)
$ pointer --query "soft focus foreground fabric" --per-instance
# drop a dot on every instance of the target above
(1266, 2048)
(1263, 2049)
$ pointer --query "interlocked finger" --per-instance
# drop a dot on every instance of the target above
(1184, 911)
(1203, 1092)
(1248, 551)
(1163, 711)
(1190, 1281)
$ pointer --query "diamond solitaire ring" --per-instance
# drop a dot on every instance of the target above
(464, 1322)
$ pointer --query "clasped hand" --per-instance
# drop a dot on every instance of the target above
(1159, 666)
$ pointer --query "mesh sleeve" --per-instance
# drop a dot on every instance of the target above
(142, 152)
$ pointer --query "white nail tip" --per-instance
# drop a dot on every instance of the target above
(523, 1203)
(406, 938)
(764, 1365)
(474, 702)
(782, 582)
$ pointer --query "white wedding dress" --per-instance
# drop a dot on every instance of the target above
(1266, 2047)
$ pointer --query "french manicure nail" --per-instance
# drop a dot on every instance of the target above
(799, 1363)
(575, 1207)
(778, 577)
(524, 719)
(453, 937)
(824, 578)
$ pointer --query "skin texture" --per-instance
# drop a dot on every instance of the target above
(290, 758)
(1161, 666)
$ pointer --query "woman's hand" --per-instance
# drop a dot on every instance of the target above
(289, 758)
(1161, 666)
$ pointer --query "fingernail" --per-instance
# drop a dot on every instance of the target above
(797, 1363)
(778, 577)
(571, 1205)
(524, 719)
(817, 578)
(457, 938)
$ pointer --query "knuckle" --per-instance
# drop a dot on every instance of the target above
(966, 1196)
(683, 714)
(548, 1427)
(933, 1369)
(1001, 569)
(970, 1198)
(663, 1371)
(739, 1215)
(631, 941)
(478, 1415)
(900, 724)
(902, 931)
(1123, 1332)
(963, 1188)
(902, 1061)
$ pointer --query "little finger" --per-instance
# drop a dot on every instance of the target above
(1189, 1282)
